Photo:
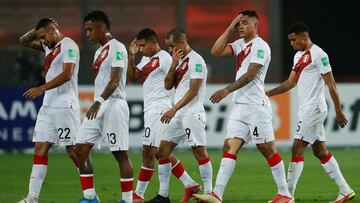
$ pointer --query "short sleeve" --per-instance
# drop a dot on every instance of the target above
(259, 54)
(144, 60)
(117, 56)
(165, 62)
(235, 47)
(323, 63)
(197, 69)
(71, 52)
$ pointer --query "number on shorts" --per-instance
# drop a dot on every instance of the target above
(111, 138)
(147, 132)
(64, 131)
(298, 127)
(255, 132)
(188, 132)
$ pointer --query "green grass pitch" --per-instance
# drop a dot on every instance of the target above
(251, 182)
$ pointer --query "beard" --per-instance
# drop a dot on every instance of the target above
(52, 45)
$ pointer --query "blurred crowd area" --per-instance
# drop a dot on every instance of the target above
(333, 27)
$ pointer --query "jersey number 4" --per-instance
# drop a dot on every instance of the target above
(255, 132)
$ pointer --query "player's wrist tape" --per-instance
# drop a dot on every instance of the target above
(100, 100)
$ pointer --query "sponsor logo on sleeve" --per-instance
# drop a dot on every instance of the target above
(198, 68)
(260, 54)
(119, 56)
(325, 61)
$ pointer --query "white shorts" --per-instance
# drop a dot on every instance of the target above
(311, 125)
(57, 125)
(187, 128)
(251, 122)
(111, 123)
(154, 129)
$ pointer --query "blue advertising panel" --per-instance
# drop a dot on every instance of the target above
(17, 118)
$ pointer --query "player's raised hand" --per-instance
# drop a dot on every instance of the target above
(219, 95)
(93, 110)
(133, 47)
(33, 93)
(167, 116)
(235, 22)
(177, 54)
(341, 119)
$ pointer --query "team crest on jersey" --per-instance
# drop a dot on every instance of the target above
(306, 58)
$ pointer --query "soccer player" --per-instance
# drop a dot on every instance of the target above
(109, 115)
(251, 114)
(58, 119)
(186, 119)
(310, 72)
(152, 70)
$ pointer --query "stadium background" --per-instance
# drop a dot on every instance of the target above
(333, 27)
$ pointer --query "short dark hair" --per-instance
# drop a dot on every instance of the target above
(298, 27)
(176, 34)
(44, 22)
(147, 34)
(98, 16)
(250, 13)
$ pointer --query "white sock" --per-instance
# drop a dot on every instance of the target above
(294, 172)
(126, 185)
(206, 174)
(278, 171)
(143, 180)
(87, 185)
(332, 169)
(164, 171)
(179, 171)
(227, 166)
(38, 174)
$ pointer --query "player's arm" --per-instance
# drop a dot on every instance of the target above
(285, 86)
(245, 79)
(330, 82)
(60, 79)
(171, 75)
(31, 40)
(132, 73)
(221, 48)
(113, 83)
(195, 85)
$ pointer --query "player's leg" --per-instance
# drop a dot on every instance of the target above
(38, 171)
(277, 166)
(71, 152)
(227, 166)
(126, 174)
(194, 125)
(86, 170)
(296, 165)
(146, 172)
(45, 134)
(331, 167)
(165, 166)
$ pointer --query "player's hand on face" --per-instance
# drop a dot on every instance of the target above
(341, 118)
(167, 116)
(177, 54)
(93, 110)
(33, 93)
(133, 48)
(235, 23)
(219, 95)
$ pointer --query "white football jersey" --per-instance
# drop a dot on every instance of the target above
(255, 51)
(153, 72)
(66, 95)
(192, 66)
(309, 66)
(112, 54)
